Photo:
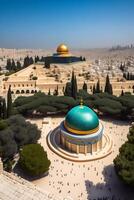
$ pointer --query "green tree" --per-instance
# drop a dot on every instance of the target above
(124, 162)
(26, 62)
(85, 87)
(4, 109)
(9, 65)
(73, 86)
(67, 91)
(98, 90)
(33, 160)
(15, 132)
(128, 76)
(49, 92)
(1, 114)
(56, 92)
(13, 65)
(9, 102)
(84, 59)
(18, 65)
(47, 63)
(108, 86)
(94, 89)
(122, 93)
(3, 125)
(31, 61)
(63, 89)
(36, 59)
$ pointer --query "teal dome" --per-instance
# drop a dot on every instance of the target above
(81, 118)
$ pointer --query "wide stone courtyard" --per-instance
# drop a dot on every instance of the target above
(85, 180)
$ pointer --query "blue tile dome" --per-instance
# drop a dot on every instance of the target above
(81, 120)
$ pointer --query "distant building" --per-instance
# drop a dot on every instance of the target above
(62, 56)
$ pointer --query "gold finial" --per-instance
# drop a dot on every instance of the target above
(81, 102)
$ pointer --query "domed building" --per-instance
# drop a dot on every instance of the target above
(81, 131)
(63, 56)
(80, 136)
(62, 49)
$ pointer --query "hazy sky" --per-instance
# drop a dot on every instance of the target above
(78, 23)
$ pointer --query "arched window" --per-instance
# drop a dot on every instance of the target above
(32, 91)
(27, 91)
(22, 92)
(17, 92)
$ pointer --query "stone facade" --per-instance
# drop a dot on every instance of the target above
(22, 82)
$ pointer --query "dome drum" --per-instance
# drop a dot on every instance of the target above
(81, 139)
(80, 147)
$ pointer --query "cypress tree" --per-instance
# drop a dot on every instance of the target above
(49, 93)
(94, 90)
(63, 89)
(72, 83)
(84, 59)
(111, 89)
(131, 76)
(1, 108)
(18, 65)
(133, 88)
(122, 93)
(13, 65)
(9, 102)
(81, 59)
(56, 91)
(85, 86)
(108, 86)
(128, 76)
(47, 63)
(124, 75)
(36, 59)
(73, 86)
(31, 61)
(67, 91)
(26, 62)
(98, 90)
(4, 109)
(9, 65)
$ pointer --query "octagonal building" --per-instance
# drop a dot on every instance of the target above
(81, 131)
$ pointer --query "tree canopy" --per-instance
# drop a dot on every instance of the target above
(33, 160)
(104, 103)
(14, 133)
(124, 162)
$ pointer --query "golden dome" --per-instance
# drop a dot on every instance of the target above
(62, 49)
